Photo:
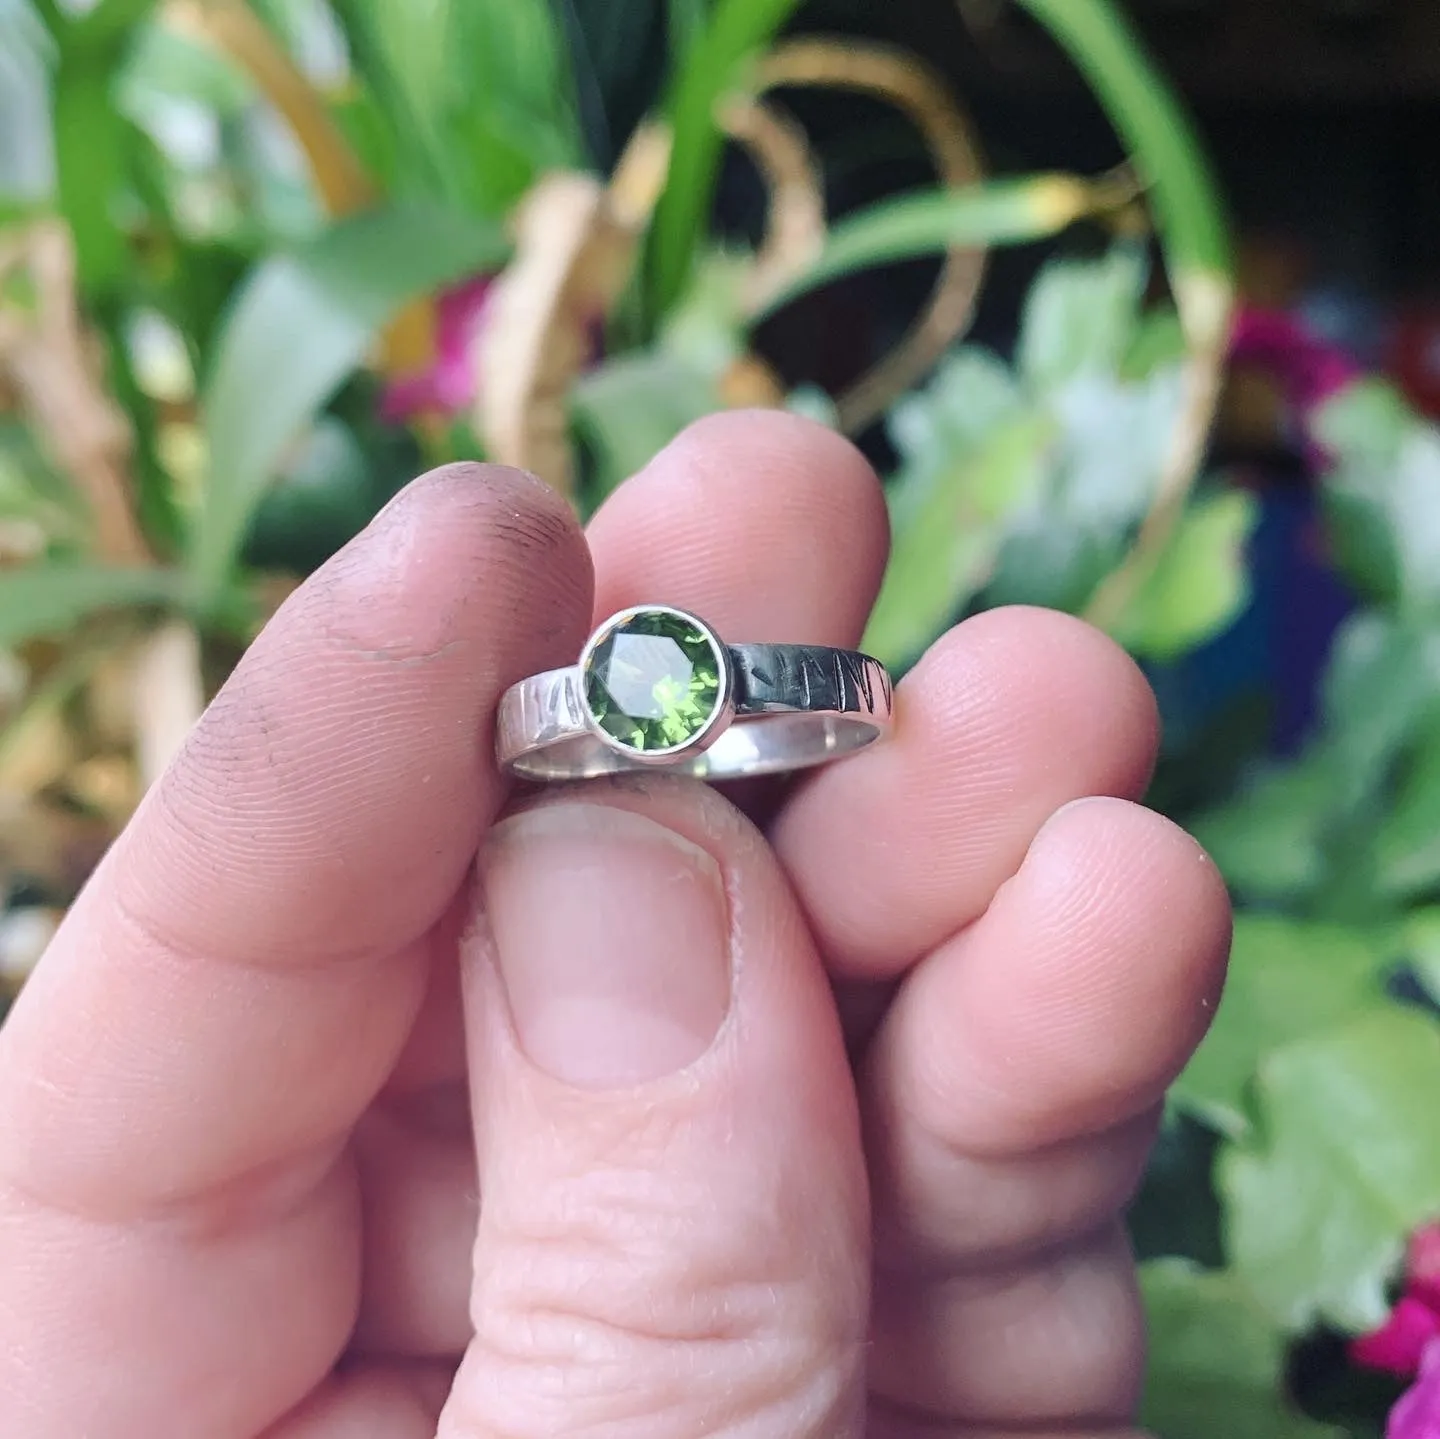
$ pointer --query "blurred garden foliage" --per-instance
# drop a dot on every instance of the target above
(261, 263)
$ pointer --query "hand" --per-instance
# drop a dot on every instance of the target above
(823, 1132)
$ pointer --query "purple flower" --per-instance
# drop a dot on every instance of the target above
(451, 383)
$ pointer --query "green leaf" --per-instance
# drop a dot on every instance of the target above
(634, 404)
(944, 542)
(1049, 560)
(705, 328)
(165, 65)
(1365, 423)
(1288, 980)
(971, 395)
(27, 150)
(631, 407)
(1407, 845)
(812, 403)
(1217, 1361)
(974, 458)
(1103, 465)
(1081, 316)
(927, 222)
(107, 26)
(685, 23)
(1361, 544)
(1387, 470)
(47, 599)
(1414, 488)
(510, 85)
(1199, 585)
(1421, 937)
(1072, 469)
(1269, 842)
(1111, 452)
(1164, 146)
(618, 53)
(1342, 1167)
(477, 94)
(34, 492)
(92, 158)
(302, 323)
(736, 30)
(322, 498)
(1158, 343)
(1363, 428)
(1382, 684)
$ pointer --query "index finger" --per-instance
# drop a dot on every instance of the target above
(232, 988)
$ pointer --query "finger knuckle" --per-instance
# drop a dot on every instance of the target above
(623, 1305)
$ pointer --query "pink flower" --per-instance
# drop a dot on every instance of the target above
(1409, 1342)
(1423, 1266)
(452, 381)
(1417, 1415)
(1397, 1346)
(1310, 370)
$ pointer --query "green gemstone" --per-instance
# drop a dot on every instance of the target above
(653, 682)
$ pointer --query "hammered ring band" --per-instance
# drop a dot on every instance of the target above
(656, 688)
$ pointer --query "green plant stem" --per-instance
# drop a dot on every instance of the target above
(685, 21)
(1154, 126)
(1195, 238)
(110, 24)
(996, 212)
(51, 17)
(736, 30)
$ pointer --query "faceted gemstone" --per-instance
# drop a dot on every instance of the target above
(653, 682)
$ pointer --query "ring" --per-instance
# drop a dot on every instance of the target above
(656, 688)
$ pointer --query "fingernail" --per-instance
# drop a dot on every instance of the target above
(611, 934)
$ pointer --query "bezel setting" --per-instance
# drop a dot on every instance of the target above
(721, 715)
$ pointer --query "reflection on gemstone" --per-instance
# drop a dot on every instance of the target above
(653, 682)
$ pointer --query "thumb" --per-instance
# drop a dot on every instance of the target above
(674, 1234)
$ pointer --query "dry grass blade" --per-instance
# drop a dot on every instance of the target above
(54, 369)
(341, 181)
(923, 97)
(231, 27)
(576, 243)
(167, 697)
(795, 223)
(1208, 302)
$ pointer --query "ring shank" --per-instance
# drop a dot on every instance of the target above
(774, 744)
(795, 706)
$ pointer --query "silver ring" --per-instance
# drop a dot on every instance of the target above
(656, 688)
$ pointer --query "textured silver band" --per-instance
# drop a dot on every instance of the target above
(794, 706)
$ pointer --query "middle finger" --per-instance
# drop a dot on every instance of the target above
(771, 527)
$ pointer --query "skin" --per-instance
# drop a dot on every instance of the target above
(658, 1122)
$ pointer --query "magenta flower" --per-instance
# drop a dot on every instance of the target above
(1399, 1345)
(1417, 1415)
(1408, 1343)
(451, 383)
(1310, 370)
(1423, 1265)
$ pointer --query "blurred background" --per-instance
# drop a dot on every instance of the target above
(1135, 304)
